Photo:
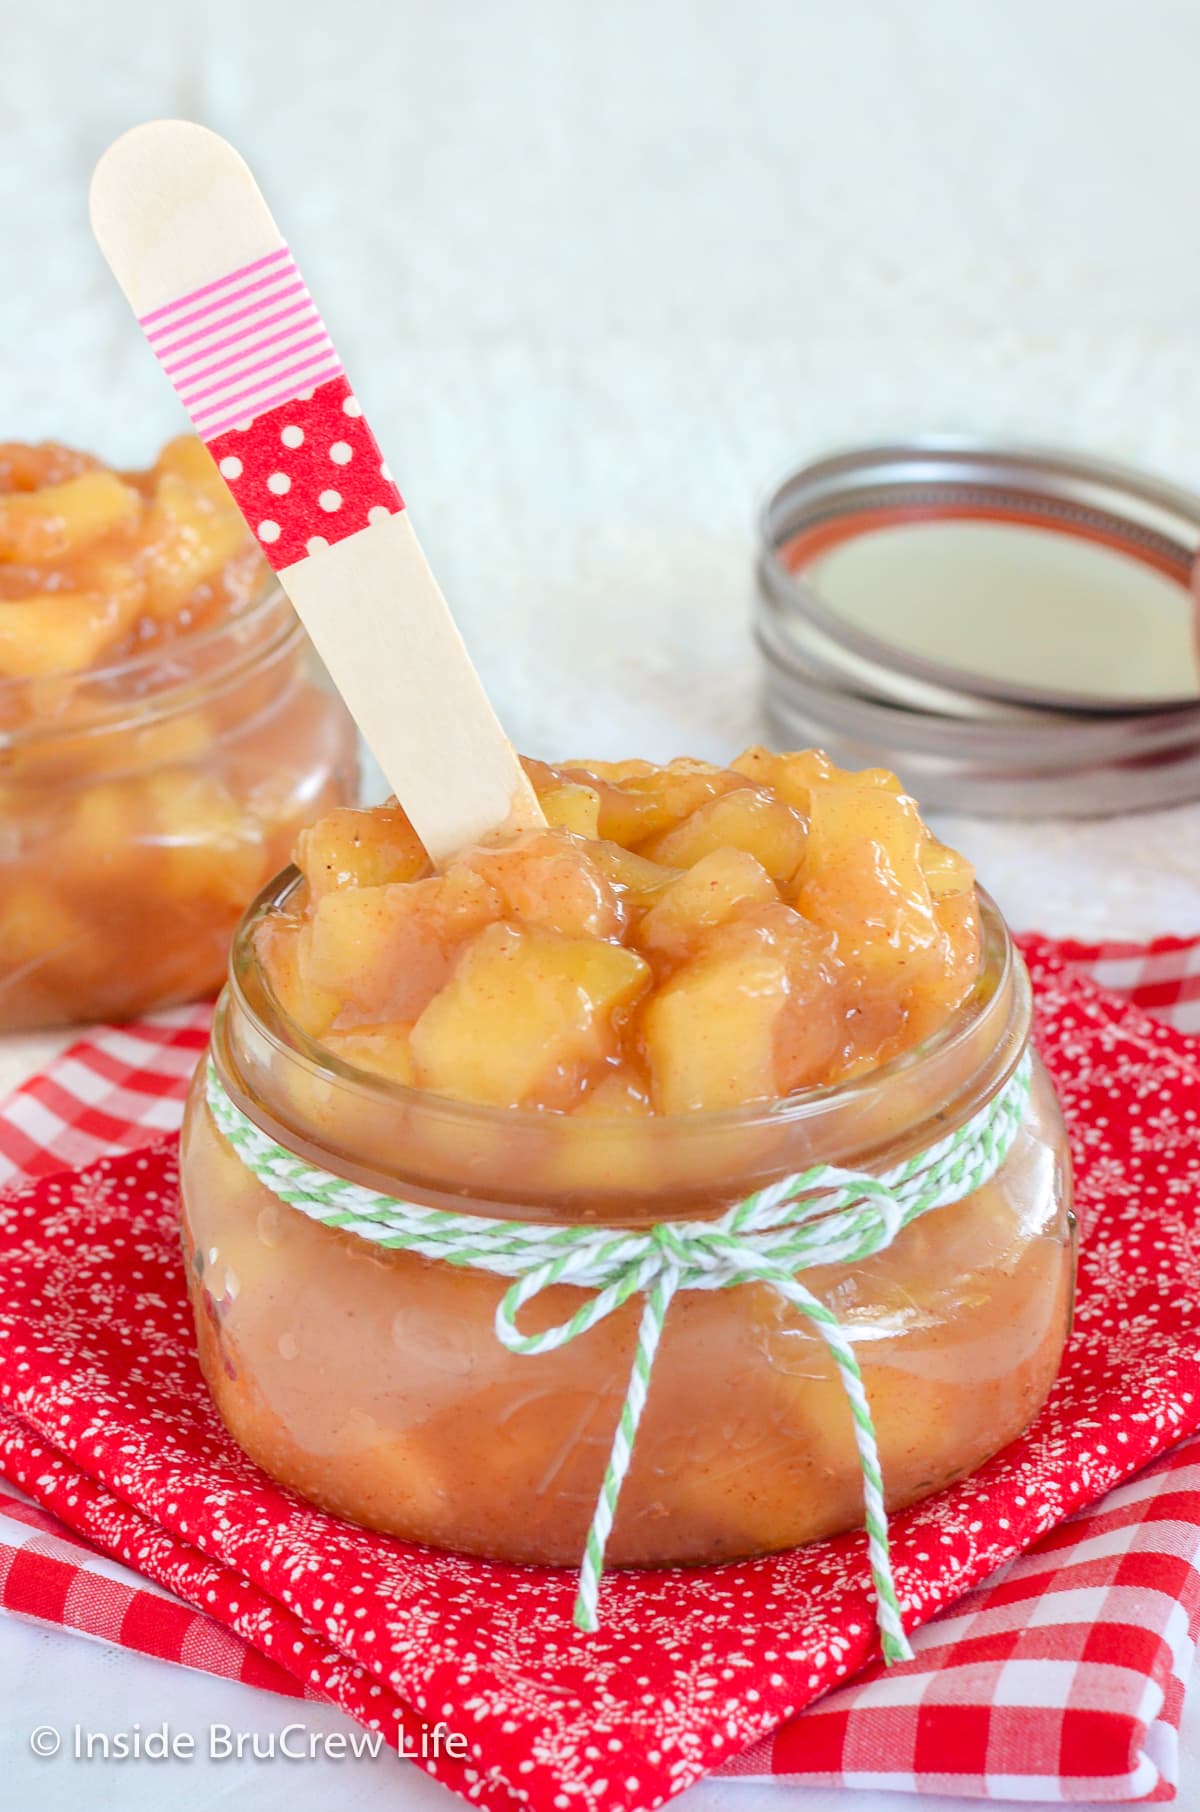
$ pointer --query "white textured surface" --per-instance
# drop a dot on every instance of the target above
(57, 1680)
(600, 274)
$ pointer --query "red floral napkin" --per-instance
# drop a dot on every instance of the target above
(106, 1422)
(51, 1576)
(1062, 1678)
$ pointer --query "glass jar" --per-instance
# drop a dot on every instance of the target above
(143, 804)
(372, 1381)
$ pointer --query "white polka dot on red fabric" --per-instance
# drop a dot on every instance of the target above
(385, 471)
(351, 406)
(316, 544)
(230, 466)
(292, 436)
(341, 452)
(378, 512)
(330, 501)
(268, 531)
(279, 484)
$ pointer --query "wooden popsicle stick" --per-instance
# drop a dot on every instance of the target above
(191, 242)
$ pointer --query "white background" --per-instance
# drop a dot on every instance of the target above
(599, 273)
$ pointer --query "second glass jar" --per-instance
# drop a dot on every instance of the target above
(143, 804)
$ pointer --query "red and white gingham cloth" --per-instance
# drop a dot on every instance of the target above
(1162, 977)
(1061, 1678)
(49, 1575)
(115, 1089)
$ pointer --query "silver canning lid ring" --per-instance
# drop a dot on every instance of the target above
(992, 770)
(1142, 515)
(1052, 742)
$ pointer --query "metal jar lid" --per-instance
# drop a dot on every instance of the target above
(955, 524)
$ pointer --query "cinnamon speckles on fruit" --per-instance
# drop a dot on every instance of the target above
(678, 938)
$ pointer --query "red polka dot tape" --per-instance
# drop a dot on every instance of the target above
(255, 368)
(307, 473)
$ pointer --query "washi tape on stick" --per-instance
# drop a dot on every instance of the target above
(219, 297)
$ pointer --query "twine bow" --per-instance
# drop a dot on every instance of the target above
(817, 1217)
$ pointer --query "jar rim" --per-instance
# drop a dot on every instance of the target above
(987, 1010)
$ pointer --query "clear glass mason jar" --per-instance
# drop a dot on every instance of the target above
(372, 1381)
(143, 804)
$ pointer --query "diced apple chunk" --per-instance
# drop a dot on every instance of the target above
(526, 1016)
(864, 881)
(710, 1032)
(192, 535)
(55, 632)
(617, 773)
(617, 1096)
(721, 884)
(385, 951)
(774, 928)
(385, 1050)
(569, 806)
(754, 1015)
(35, 926)
(638, 881)
(748, 819)
(175, 742)
(793, 777)
(546, 879)
(59, 518)
(30, 468)
(281, 944)
(638, 800)
(352, 848)
(946, 871)
(189, 459)
(106, 828)
(209, 847)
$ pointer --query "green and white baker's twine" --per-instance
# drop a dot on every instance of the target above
(821, 1216)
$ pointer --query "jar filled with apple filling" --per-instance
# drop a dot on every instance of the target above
(163, 733)
(697, 989)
